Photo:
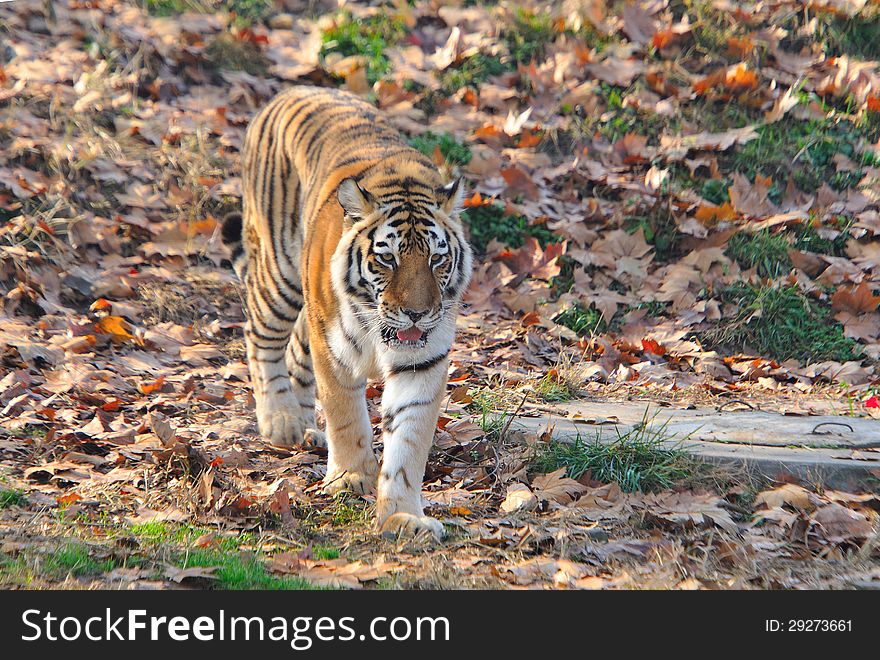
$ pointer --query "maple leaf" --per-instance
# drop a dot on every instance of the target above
(519, 182)
(556, 487)
(855, 300)
(519, 498)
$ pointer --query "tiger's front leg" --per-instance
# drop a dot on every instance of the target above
(351, 461)
(410, 405)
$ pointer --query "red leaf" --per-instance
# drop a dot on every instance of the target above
(651, 346)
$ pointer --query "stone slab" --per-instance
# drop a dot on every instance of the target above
(840, 452)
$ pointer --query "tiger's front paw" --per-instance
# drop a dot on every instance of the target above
(401, 524)
(360, 482)
(282, 429)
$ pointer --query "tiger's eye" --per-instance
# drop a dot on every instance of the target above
(436, 259)
(386, 260)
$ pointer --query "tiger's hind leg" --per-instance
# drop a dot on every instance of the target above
(272, 312)
(302, 378)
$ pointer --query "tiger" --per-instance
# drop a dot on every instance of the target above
(354, 261)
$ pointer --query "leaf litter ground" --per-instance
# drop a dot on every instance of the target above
(672, 201)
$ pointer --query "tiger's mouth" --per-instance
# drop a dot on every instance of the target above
(411, 337)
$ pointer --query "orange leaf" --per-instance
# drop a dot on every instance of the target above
(115, 326)
(651, 346)
(489, 132)
(101, 305)
(528, 139)
(856, 300)
(874, 103)
(740, 46)
(710, 213)
(532, 318)
(149, 388)
(204, 227)
(67, 500)
(662, 39)
(478, 200)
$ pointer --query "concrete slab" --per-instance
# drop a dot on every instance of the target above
(841, 452)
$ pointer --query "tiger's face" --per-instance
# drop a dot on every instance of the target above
(408, 262)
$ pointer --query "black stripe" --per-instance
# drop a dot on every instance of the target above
(421, 366)
(389, 417)
(303, 382)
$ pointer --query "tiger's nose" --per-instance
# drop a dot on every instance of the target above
(414, 315)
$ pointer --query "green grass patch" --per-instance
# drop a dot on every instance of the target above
(490, 414)
(553, 389)
(491, 221)
(660, 231)
(803, 151)
(582, 320)
(242, 571)
(782, 323)
(711, 27)
(855, 36)
(618, 119)
(179, 535)
(74, 559)
(237, 567)
(528, 35)
(763, 250)
(349, 509)
(471, 72)
(368, 37)
(325, 552)
(11, 497)
(453, 151)
(638, 460)
(246, 11)
(715, 191)
(808, 238)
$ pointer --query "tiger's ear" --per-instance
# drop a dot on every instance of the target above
(451, 197)
(354, 200)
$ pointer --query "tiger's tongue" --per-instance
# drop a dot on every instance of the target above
(410, 334)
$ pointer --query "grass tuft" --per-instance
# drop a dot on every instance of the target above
(242, 571)
(528, 35)
(11, 497)
(368, 37)
(471, 72)
(582, 320)
(246, 11)
(452, 151)
(74, 559)
(638, 460)
(492, 222)
(782, 323)
(765, 251)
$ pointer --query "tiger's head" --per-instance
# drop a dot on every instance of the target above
(403, 260)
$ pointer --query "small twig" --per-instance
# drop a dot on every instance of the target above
(739, 401)
(831, 424)
(511, 418)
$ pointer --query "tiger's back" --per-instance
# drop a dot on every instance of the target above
(331, 196)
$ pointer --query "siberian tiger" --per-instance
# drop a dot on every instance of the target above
(354, 261)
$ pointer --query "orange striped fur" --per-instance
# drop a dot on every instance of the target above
(353, 260)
